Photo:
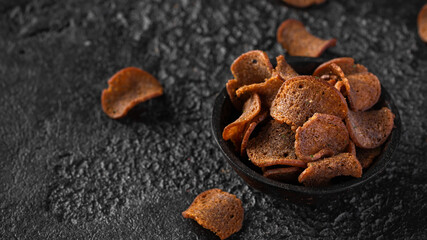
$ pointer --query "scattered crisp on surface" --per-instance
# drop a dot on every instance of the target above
(218, 211)
(293, 37)
(127, 88)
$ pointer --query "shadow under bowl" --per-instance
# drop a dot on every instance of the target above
(224, 113)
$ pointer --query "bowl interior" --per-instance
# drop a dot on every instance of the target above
(224, 113)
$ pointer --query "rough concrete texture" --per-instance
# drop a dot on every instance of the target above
(68, 171)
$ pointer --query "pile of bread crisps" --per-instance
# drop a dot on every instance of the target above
(310, 129)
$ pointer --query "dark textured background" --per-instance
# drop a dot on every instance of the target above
(68, 171)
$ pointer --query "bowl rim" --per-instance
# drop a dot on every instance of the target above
(370, 173)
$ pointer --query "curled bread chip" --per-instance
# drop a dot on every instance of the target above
(303, 3)
(370, 129)
(235, 130)
(251, 67)
(218, 211)
(302, 96)
(293, 37)
(274, 145)
(422, 23)
(321, 135)
(231, 86)
(283, 69)
(261, 116)
(266, 90)
(363, 90)
(321, 172)
(345, 63)
(283, 174)
(366, 156)
(127, 88)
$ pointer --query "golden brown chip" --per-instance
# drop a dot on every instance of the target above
(266, 90)
(302, 96)
(252, 67)
(321, 135)
(366, 156)
(283, 69)
(218, 211)
(422, 23)
(303, 3)
(261, 116)
(231, 86)
(235, 130)
(274, 145)
(345, 63)
(127, 88)
(363, 90)
(283, 174)
(370, 129)
(293, 37)
(321, 172)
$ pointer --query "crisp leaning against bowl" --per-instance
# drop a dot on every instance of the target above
(309, 129)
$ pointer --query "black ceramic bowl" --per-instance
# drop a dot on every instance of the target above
(224, 113)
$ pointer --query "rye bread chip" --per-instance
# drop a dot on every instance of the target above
(422, 23)
(218, 211)
(367, 156)
(274, 145)
(293, 37)
(363, 90)
(251, 67)
(127, 88)
(345, 63)
(302, 96)
(283, 69)
(235, 130)
(231, 86)
(303, 3)
(251, 127)
(283, 174)
(321, 135)
(321, 172)
(370, 129)
(266, 90)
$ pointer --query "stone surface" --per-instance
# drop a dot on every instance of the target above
(68, 171)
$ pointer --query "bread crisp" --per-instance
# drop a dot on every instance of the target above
(370, 129)
(302, 96)
(127, 88)
(321, 172)
(297, 41)
(321, 135)
(218, 211)
(274, 145)
(235, 130)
